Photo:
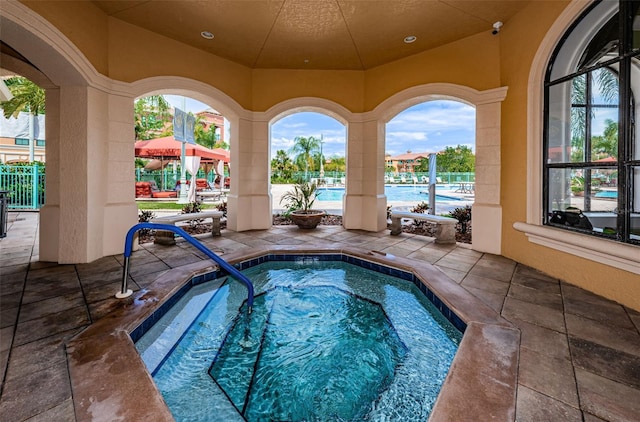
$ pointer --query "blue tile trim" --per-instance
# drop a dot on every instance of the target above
(395, 272)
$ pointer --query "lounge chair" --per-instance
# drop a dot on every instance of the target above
(150, 190)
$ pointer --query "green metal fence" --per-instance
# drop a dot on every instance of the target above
(25, 184)
(168, 178)
(444, 177)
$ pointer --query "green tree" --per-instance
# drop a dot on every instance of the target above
(458, 159)
(27, 97)
(606, 145)
(336, 163)
(304, 149)
(423, 165)
(153, 117)
(207, 137)
(281, 166)
(604, 83)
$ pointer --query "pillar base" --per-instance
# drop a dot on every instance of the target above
(365, 212)
(249, 212)
(487, 228)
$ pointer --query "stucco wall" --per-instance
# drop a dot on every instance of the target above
(520, 40)
(106, 42)
(481, 62)
(472, 61)
(83, 23)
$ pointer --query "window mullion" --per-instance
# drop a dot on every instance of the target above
(587, 140)
(624, 125)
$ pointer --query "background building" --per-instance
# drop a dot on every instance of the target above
(14, 139)
(406, 163)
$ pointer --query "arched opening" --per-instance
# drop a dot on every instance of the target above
(487, 209)
(22, 142)
(308, 146)
(443, 129)
(159, 161)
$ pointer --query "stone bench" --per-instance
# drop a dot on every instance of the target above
(445, 226)
(164, 237)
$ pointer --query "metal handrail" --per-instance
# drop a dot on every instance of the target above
(128, 246)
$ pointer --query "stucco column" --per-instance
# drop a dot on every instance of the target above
(50, 211)
(249, 199)
(118, 175)
(90, 198)
(487, 210)
(365, 205)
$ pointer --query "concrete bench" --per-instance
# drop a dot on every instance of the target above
(214, 195)
(164, 237)
(445, 226)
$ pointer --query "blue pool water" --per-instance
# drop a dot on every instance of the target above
(608, 194)
(393, 193)
(326, 340)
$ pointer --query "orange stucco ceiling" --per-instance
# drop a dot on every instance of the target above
(314, 34)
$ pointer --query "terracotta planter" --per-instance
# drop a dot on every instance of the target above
(307, 219)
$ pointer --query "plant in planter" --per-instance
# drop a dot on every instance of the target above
(299, 201)
(577, 185)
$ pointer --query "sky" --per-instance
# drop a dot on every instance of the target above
(425, 127)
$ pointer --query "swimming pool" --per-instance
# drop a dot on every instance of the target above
(393, 193)
(607, 194)
(399, 380)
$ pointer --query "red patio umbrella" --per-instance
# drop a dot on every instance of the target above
(169, 148)
(224, 152)
(606, 160)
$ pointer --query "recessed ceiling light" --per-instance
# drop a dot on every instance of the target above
(206, 34)
(409, 39)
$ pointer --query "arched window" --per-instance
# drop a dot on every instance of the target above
(591, 167)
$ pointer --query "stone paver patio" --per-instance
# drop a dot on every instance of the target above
(579, 354)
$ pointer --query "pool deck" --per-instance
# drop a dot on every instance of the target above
(578, 354)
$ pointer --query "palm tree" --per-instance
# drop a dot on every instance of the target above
(303, 149)
(604, 85)
(27, 97)
(281, 165)
(206, 137)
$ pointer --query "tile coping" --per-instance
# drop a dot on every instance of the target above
(109, 379)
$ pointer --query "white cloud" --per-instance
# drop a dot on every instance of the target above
(429, 126)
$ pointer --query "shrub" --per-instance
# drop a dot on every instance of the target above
(222, 206)
(144, 216)
(421, 208)
(191, 208)
(463, 215)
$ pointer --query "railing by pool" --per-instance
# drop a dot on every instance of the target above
(128, 246)
(25, 184)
